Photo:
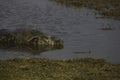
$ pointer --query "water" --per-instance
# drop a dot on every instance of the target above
(79, 28)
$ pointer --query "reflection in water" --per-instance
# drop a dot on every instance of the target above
(30, 49)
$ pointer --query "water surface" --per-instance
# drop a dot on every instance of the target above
(79, 29)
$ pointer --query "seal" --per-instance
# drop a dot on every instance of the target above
(29, 38)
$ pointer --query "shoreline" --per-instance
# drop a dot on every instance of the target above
(45, 69)
(106, 8)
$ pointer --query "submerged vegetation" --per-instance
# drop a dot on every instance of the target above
(108, 8)
(45, 69)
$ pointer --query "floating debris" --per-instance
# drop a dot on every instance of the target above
(106, 28)
(83, 52)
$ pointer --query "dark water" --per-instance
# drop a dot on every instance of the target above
(79, 28)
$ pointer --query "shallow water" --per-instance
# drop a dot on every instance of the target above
(79, 28)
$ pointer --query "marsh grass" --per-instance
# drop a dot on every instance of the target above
(107, 8)
(45, 69)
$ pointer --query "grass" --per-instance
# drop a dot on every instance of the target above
(45, 69)
(107, 8)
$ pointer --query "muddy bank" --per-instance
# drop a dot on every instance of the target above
(45, 69)
(107, 8)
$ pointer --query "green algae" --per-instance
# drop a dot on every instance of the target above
(45, 69)
(107, 8)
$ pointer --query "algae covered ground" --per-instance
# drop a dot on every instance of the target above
(45, 69)
(107, 8)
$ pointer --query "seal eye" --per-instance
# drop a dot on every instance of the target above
(34, 40)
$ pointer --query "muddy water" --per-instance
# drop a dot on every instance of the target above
(79, 28)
